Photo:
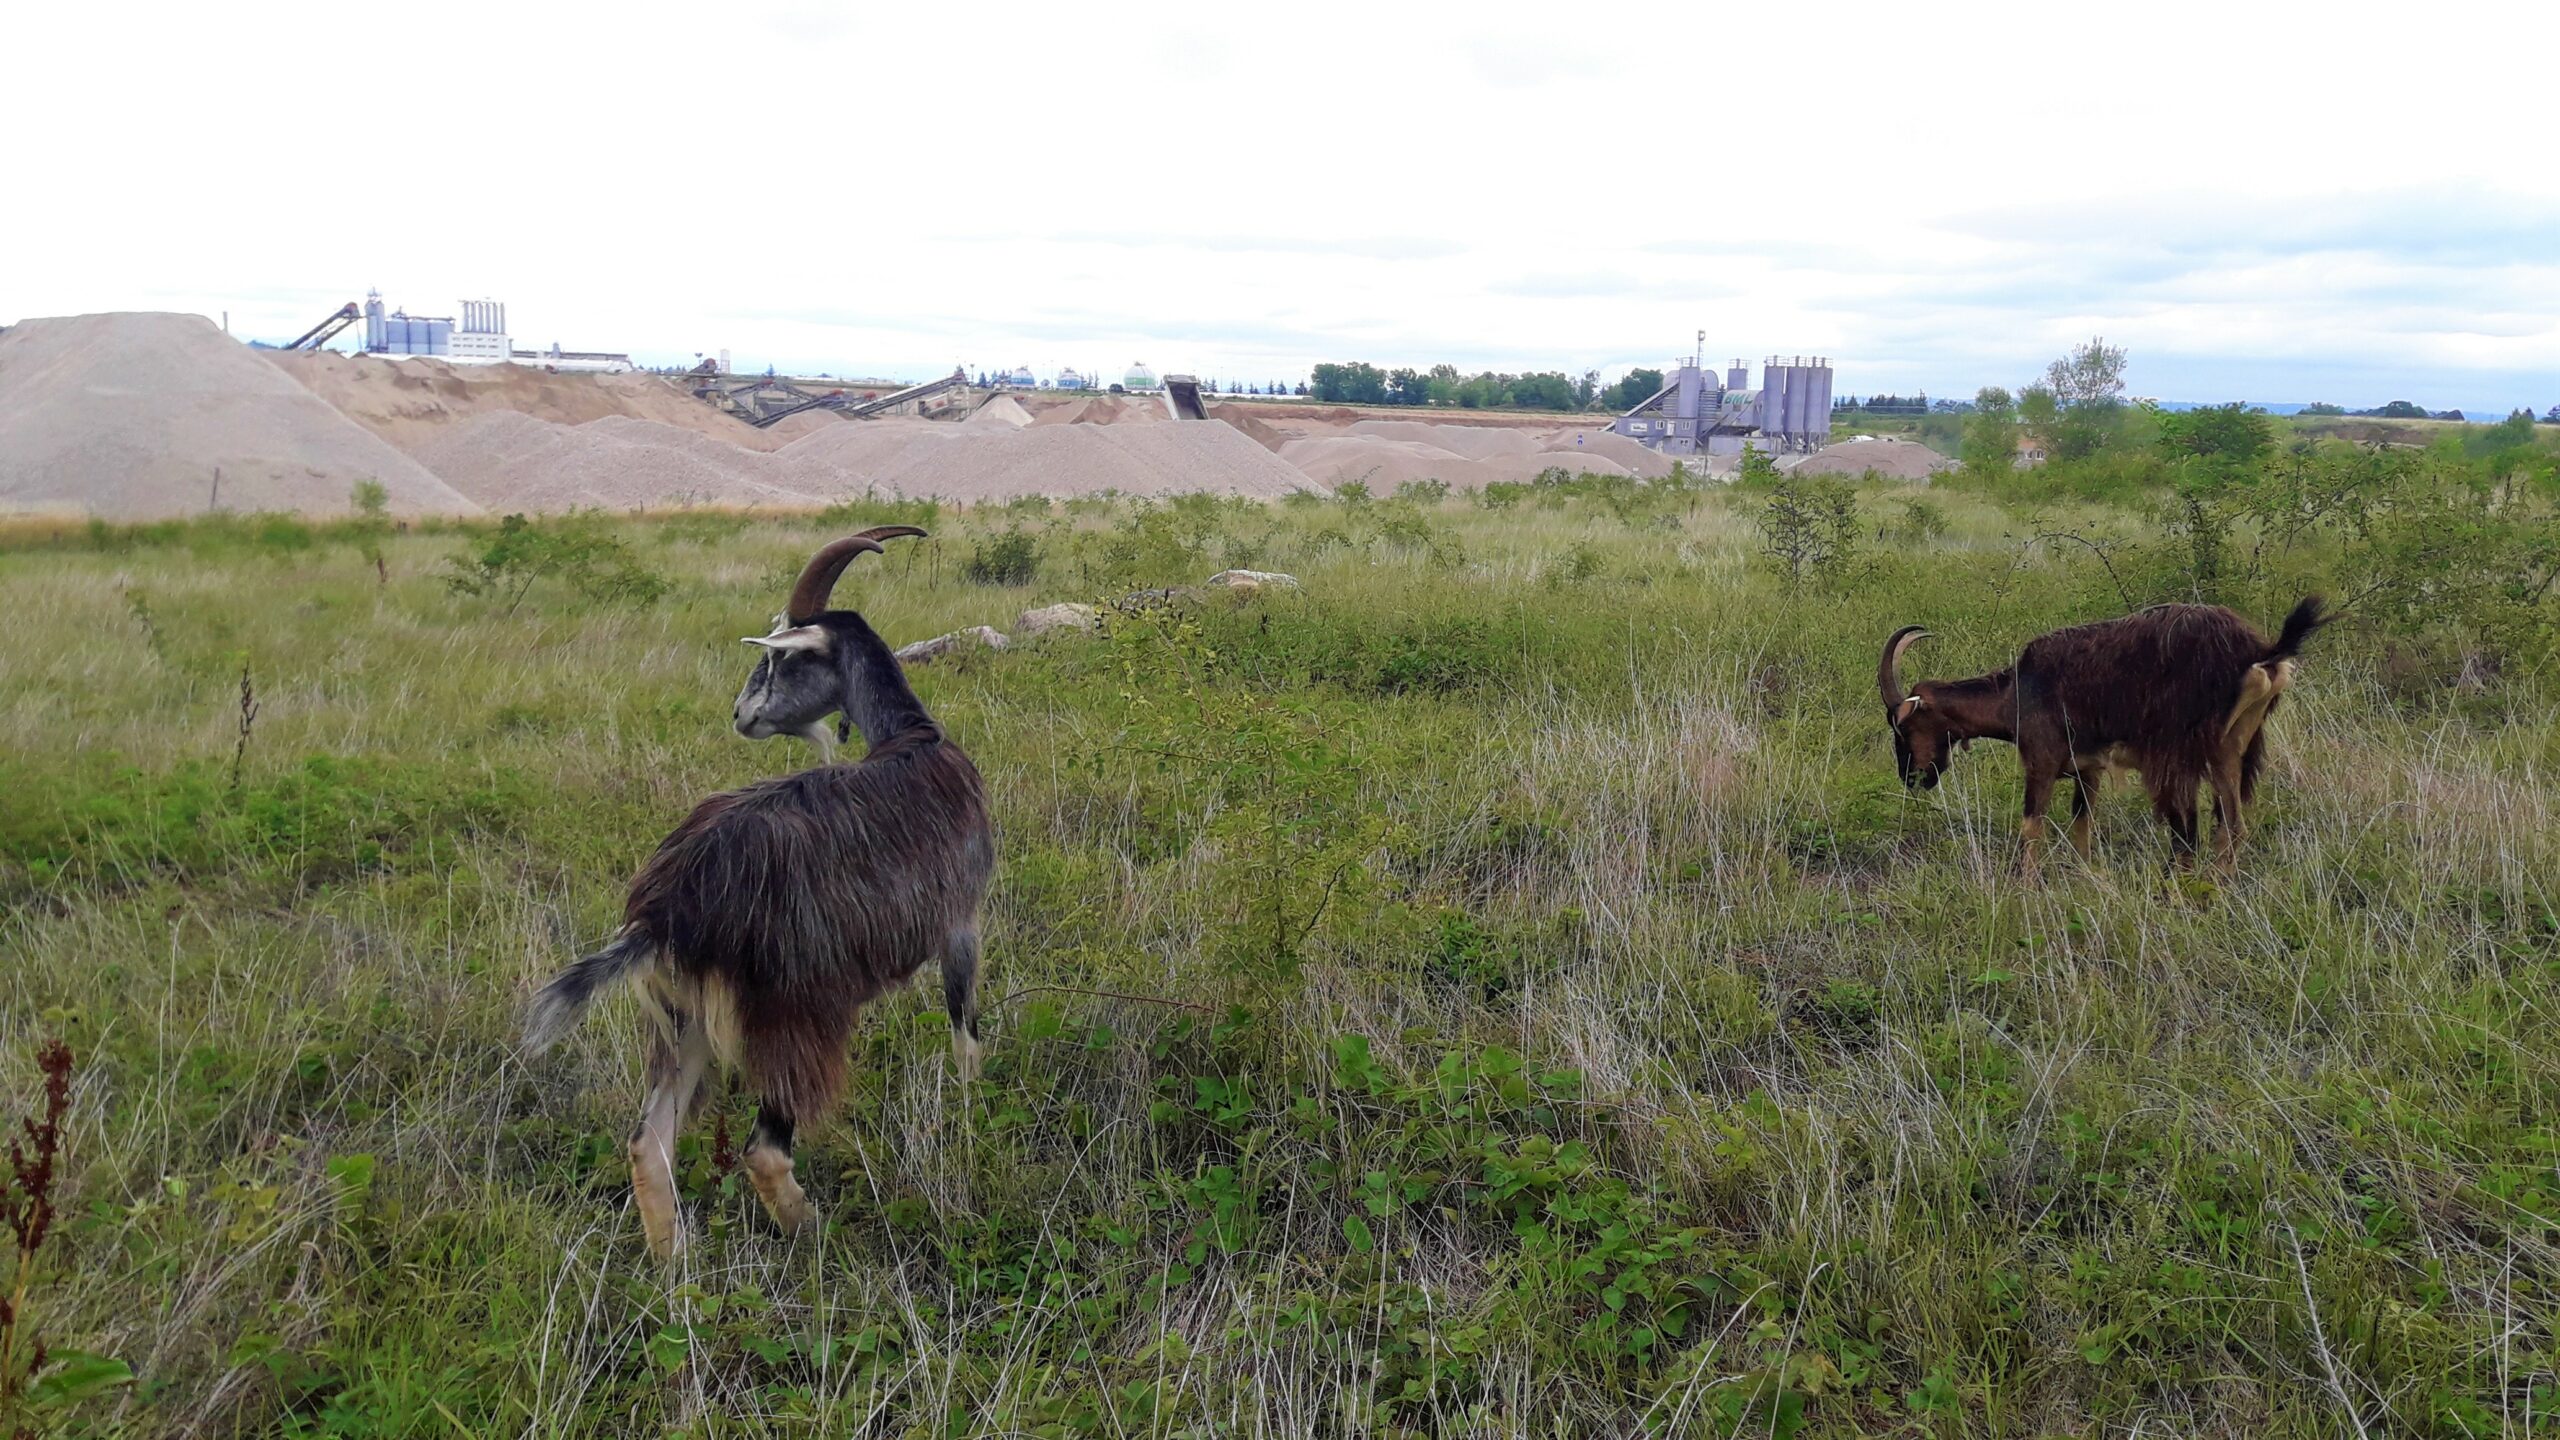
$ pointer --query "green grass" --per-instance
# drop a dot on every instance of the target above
(1572, 1026)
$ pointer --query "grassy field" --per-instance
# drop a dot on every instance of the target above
(1498, 989)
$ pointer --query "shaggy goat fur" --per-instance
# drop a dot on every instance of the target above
(2180, 693)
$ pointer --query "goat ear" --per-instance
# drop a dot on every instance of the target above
(787, 641)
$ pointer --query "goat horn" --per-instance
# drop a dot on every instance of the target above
(818, 580)
(892, 532)
(1889, 674)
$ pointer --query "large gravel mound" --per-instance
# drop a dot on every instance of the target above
(127, 417)
(1630, 454)
(1070, 460)
(511, 462)
(410, 400)
(1892, 459)
(1474, 442)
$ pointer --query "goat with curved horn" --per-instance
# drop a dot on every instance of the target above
(2180, 693)
(773, 913)
(811, 668)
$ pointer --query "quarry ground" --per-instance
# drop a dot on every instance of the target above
(146, 416)
(1497, 989)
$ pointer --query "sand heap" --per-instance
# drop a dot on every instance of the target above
(128, 416)
(1628, 454)
(1892, 459)
(1068, 460)
(1384, 454)
(511, 462)
(411, 400)
(1472, 442)
(1104, 410)
(1003, 410)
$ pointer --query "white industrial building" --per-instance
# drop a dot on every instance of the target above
(478, 337)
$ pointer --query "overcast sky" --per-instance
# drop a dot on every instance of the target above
(2261, 201)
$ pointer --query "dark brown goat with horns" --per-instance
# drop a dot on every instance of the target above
(761, 927)
(2180, 693)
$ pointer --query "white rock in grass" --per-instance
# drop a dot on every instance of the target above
(1066, 615)
(924, 651)
(1252, 580)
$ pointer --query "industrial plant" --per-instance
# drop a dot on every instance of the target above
(478, 337)
(1696, 413)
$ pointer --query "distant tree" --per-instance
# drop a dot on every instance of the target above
(1357, 383)
(1990, 443)
(1634, 389)
(2090, 375)
(2399, 410)
(1302, 387)
(1444, 372)
(2039, 412)
(2551, 416)
(1586, 389)
(1408, 387)
(1546, 390)
(2226, 441)
(2321, 407)
(2078, 408)
(2447, 415)
(2516, 430)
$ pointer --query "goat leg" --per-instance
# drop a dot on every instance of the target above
(2084, 794)
(769, 1166)
(2031, 830)
(960, 998)
(2228, 827)
(676, 1067)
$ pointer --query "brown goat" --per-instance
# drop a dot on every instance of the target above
(766, 921)
(2180, 693)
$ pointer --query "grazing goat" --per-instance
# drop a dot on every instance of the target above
(769, 917)
(2180, 693)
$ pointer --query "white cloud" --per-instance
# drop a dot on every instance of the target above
(2259, 197)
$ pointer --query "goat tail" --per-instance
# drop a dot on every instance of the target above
(557, 1006)
(2308, 615)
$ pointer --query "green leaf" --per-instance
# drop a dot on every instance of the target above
(76, 1375)
(354, 1177)
(1356, 1230)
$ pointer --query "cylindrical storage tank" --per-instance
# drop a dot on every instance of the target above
(1822, 411)
(1799, 401)
(1737, 376)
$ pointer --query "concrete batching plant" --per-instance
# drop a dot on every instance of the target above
(1697, 413)
(479, 337)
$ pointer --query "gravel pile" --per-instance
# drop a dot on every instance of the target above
(409, 400)
(128, 416)
(1070, 460)
(1892, 459)
(507, 462)
(1472, 442)
(1003, 410)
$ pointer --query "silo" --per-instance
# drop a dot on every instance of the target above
(1822, 407)
(1799, 401)
(1685, 406)
(1737, 376)
(1773, 397)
